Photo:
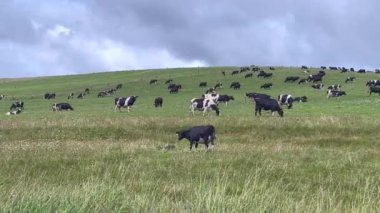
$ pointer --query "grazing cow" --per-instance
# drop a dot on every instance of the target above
(350, 79)
(235, 72)
(168, 81)
(335, 93)
(203, 84)
(175, 89)
(268, 75)
(268, 104)
(344, 70)
(315, 78)
(285, 100)
(204, 104)
(304, 67)
(171, 86)
(321, 73)
(62, 106)
(198, 134)
(271, 68)
(71, 96)
(17, 105)
(223, 73)
(292, 78)
(249, 75)
(14, 112)
(373, 83)
(255, 69)
(2, 97)
(119, 86)
(49, 96)
(218, 85)
(373, 89)
(153, 81)
(87, 91)
(244, 69)
(125, 102)
(235, 85)
(334, 87)
(300, 99)
(302, 80)
(103, 94)
(266, 86)
(225, 98)
(81, 95)
(361, 71)
(317, 86)
(352, 69)
(333, 68)
(158, 102)
(323, 67)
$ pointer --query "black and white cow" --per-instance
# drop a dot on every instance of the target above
(198, 134)
(315, 78)
(62, 106)
(268, 104)
(317, 86)
(17, 105)
(158, 102)
(266, 86)
(70, 96)
(14, 112)
(350, 79)
(2, 97)
(292, 78)
(225, 98)
(81, 95)
(204, 104)
(285, 99)
(125, 102)
(203, 84)
(235, 85)
(249, 75)
(153, 81)
(218, 85)
(300, 99)
(49, 96)
(335, 87)
(335, 93)
(373, 83)
(168, 81)
(271, 68)
(374, 90)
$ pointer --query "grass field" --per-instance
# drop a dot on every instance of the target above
(322, 156)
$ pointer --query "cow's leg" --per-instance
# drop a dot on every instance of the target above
(116, 108)
(196, 146)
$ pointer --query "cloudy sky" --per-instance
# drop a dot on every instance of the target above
(58, 37)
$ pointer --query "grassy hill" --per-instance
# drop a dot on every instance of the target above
(323, 155)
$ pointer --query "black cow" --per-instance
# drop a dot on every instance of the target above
(125, 102)
(335, 93)
(271, 68)
(175, 89)
(198, 134)
(168, 81)
(300, 99)
(235, 85)
(350, 79)
(218, 85)
(171, 86)
(266, 86)
(333, 68)
(17, 105)
(302, 80)
(323, 67)
(204, 104)
(70, 96)
(304, 67)
(225, 98)
(361, 71)
(81, 95)
(377, 71)
(87, 91)
(153, 81)
(103, 94)
(352, 69)
(335, 87)
(119, 86)
(223, 73)
(62, 106)
(317, 86)
(268, 104)
(285, 100)
(268, 75)
(374, 90)
(49, 96)
(255, 69)
(249, 75)
(203, 84)
(292, 78)
(344, 70)
(235, 72)
(244, 69)
(158, 102)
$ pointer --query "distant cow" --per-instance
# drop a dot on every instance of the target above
(81, 95)
(223, 73)
(87, 91)
(203, 104)
(235, 85)
(335, 93)
(373, 90)
(168, 81)
(235, 72)
(361, 71)
(285, 99)
(158, 102)
(266, 86)
(153, 81)
(335, 87)
(300, 99)
(373, 83)
(249, 75)
(174, 89)
(203, 84)
(218, 85)
(315, 78)
(323, 67)
(271, 68)
(125, 102)
(49, 96)
(14, 112)
(304, 67)
(119, 86)
(62, 106)
(225, 99)
(17, 105)
(198, 134)
(350, 79)
(70, 96)
(2, 97)
(352, 69)
(210, 90)
(103, 94)
(292, 78)
(344, 70)
(333, 68)
(268, 104)
(317, 86)
(302, 80)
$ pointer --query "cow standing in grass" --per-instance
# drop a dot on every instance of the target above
(198, 134)
(205, 104)
(125, 102)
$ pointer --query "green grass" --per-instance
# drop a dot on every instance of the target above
(322, 156)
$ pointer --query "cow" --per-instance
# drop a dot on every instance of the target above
(267, 104)
(350, 79)
(14, 112)
(203, 84)
(291, 78)
(334, 87)
(2, 97)
(352, 69)
(49, 96)
(344, 70)
(198, 134)
(175, 89)
(168, 81)
(249, 75)
(333, 68)
(235, 85)
(285, 100)
(17, 105)
(235, 72)
(81, 95)
(225, 98)
(103, 94)
(300, 99)
(87, 91)
(373, 83)
(244, 69)
(317, 86)
(302, 80)
(179, 86)
(204, 104)
(323, 67)
(255, 69)
(361, 71)
(335, 93)
(377, 71)
(158, 102)
(70, 96)
(271, 68)
(123, 102)
(374, 90)
(266, 86)
(268, 75)
(218, 85)
(119, 86)
(153, 81)
(304, 67)
(223, 73)
(62, 106)
(315, 78)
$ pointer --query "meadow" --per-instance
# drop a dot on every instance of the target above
(322, 156)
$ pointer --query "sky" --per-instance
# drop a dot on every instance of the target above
(63, 37)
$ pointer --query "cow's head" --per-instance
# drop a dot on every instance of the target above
(180, 134)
